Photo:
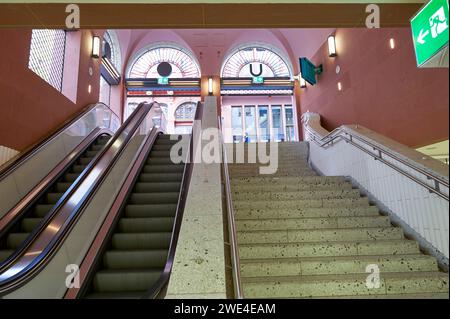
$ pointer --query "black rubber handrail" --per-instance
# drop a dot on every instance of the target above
(19, 159)
(51, 244)
(163, 280)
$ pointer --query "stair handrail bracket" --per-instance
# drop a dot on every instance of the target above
(231, 218)
(423, 170)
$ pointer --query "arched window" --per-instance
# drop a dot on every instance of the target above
(146, 62)
(111, 49)
(186, 111)
(241, 60)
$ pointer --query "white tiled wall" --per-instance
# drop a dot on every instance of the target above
(426, 213)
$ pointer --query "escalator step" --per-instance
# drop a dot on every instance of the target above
(157, 187)
(85, 160)
(118, 281)
(97, 147)
(162, 147)
(143, 225)
(153, 198)
(174, 168)
(78, 168)
(42, 210)
(5, 254)
(154, 210)
(116, 295)
(70, 177)
(28, 224)
(156, 177)
(154, 154)
(91, 153)
(102, 140)
(138, 241)
(52, 198)
(62, 187)
(140, 259)
(160, 161)
(14, 240)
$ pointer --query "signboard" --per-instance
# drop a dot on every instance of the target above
(163, 81)
(430, 30)
(258, 80)
(308, 71)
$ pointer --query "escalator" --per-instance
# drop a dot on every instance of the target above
(14, 235)
(135, 253)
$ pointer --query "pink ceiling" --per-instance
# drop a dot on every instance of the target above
(210, 46)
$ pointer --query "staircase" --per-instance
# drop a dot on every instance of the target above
(306, 236)
(137, 250)
(48, 199)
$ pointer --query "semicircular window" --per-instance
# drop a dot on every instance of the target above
(146, 65)
(259, 60)
(186, 111)
(111, 49)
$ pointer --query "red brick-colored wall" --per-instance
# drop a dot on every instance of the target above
(382, 89)
(29, 107)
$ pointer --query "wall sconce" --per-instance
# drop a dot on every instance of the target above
(331, 46)
(210, 86)
(392, 43)
(302, 81)
(339, 85)
(96, 47)
(89, 89)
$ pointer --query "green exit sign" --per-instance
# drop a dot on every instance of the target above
(430, 30)
(163, 81)
(258, 80)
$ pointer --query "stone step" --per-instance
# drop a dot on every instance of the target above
(267, 188)
(277, 173)
(319, 235)
(279, 195)
(336, 265)
(300, 212)
(287, 180)
(310, 203)
(344, 285)
(320, 249)
(312, 223)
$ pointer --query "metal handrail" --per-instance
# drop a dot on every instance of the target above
(235, 261)
(340, 133)
(36, 254)
(20, 158)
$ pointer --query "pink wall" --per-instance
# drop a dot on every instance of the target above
(382, 88)
(31, 108)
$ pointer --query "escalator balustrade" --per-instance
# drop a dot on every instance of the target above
(33, 216)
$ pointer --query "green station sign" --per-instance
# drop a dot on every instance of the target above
(258, 80)
(430, 30)
(163, 81)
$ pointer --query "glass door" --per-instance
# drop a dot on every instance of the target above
(250, 124)
(290, 131)
(263, 123)
(236, 123)
(277, 124)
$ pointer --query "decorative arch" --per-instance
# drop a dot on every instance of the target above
(111, 47)
(185, 111)
(274, 62)
(144, 63)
